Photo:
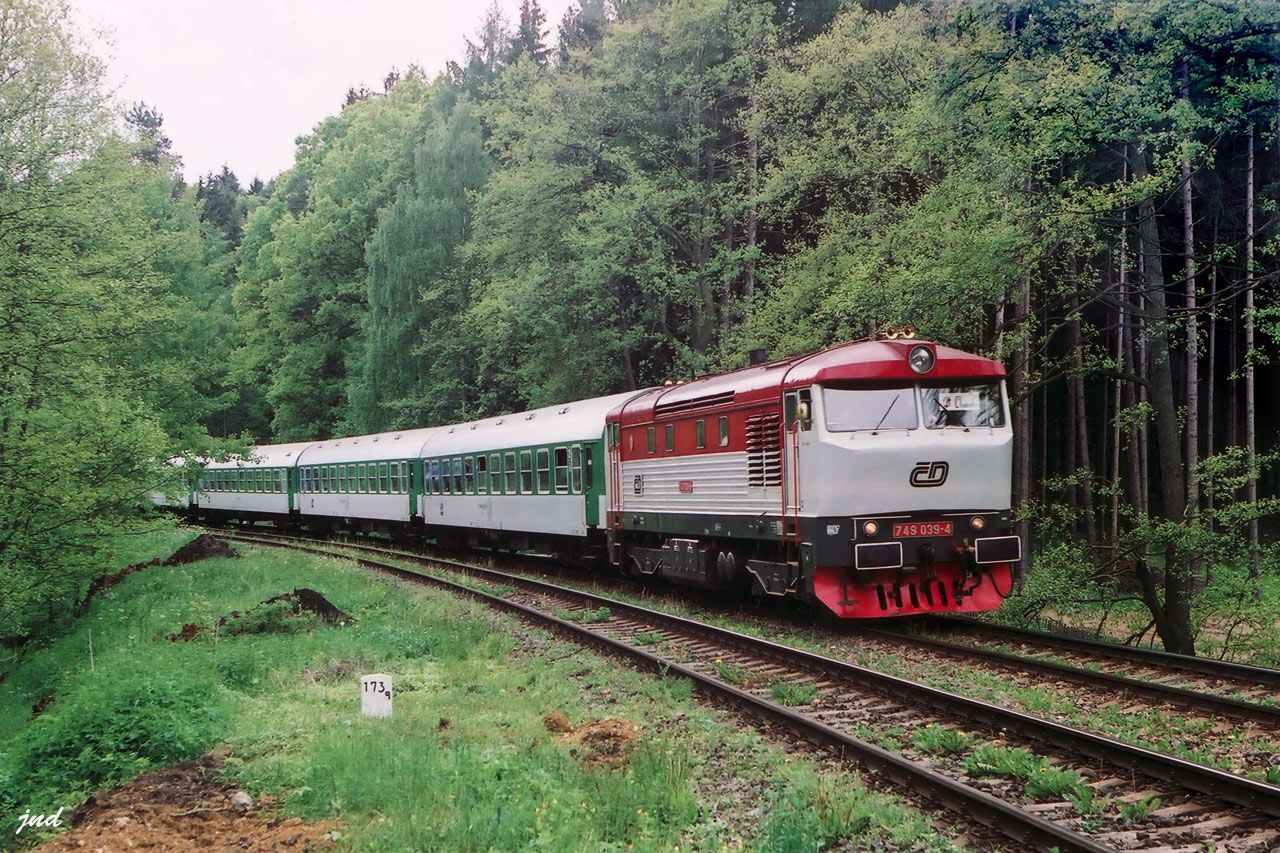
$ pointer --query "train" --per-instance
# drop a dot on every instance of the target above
(872, 478)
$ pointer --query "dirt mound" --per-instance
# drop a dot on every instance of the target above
(556, 721)
(200, 548)
(306, 600)
(183, 808)
(203, 547)
(278, 615)
(599, 742)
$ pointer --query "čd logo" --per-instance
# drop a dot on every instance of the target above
(926, 475)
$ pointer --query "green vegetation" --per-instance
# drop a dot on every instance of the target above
(940, 740)
(992, 760)
(793, 693)
(648, 638)
(469, 761)
(1139, 809)
(732, 673)
(1056, 783)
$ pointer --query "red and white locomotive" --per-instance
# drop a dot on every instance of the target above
(873, 477)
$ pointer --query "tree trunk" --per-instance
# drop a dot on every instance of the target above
(1022, 427)
(1078, 417)
(1193, 355)
(1250, 426)
(1173, 615)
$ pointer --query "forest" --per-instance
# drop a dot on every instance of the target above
(646, 190)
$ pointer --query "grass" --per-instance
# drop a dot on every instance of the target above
(1137, 810)
(793, 693)
(648, 638)
(731, 673)
(940, 740)
(465, 763)
(991, 760)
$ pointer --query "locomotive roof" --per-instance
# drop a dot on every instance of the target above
(874, 361)
(582, 420)
(396, 444)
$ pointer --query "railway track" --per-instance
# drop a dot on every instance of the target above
(1125, 797)
(1249, 684)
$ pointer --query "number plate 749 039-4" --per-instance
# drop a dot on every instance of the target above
(915, 529)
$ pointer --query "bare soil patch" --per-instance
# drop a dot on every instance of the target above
(184, 808)
(599, 743)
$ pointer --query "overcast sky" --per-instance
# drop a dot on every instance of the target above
(238, 80)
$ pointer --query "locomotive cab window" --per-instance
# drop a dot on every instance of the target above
(562, 470)
(854, 409)
(969, 405)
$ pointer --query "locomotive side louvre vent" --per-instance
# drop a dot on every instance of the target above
(764, 451)
(678, 406)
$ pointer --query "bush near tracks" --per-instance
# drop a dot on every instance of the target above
(504, 737)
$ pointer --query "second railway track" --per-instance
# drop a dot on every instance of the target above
(1138, 799)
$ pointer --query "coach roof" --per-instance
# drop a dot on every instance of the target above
(564, 423)
(266, 456)
(397, 444)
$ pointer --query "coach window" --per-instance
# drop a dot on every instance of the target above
(342, 478)
(526, 472)
(724, 431)
(669, 437)
(495, 473)
(509, 473)
(653, 440)
(353, 477)
(482, 474)
(562, 470)
(384, 478)
(700, 434)
(406, 477)
(446, 476)
(575, 470)
(469, 472)
(457, 475)
(544, 471)
(323, 471)
(394, 488)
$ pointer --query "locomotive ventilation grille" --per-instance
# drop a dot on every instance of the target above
(764, 450)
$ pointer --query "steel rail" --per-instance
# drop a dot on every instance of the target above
(1227, 706)
(1253, 675)
(1231, 788)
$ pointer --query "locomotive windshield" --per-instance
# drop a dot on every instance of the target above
(976, 405)
(850, 409)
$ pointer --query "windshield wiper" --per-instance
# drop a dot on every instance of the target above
(892, 403)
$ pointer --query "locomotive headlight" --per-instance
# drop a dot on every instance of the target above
(921, 359)
(977, 522)
(870, 528)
